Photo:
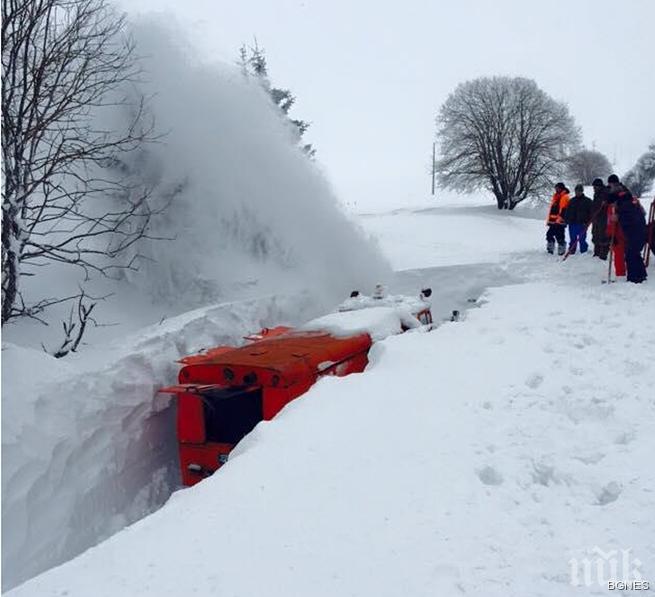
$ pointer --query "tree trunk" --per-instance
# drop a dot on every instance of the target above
(514, 202)
(10, 260)
(501, 201)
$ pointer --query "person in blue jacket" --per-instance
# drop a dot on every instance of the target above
(632, 219)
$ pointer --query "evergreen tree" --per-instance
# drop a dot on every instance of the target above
(252, 60)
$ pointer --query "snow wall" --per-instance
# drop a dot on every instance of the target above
(89, 448)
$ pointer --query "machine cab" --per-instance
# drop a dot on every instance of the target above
(223, 394)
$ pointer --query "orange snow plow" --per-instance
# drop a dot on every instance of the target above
(225, 391)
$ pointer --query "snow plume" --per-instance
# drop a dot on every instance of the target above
(249, 212)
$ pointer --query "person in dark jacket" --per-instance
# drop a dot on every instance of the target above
(578, 216)
(633, 223)
(599, 225)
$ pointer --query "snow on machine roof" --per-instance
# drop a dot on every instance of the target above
(378, 316)
(283, 355)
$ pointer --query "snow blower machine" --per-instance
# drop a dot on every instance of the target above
(225, 391)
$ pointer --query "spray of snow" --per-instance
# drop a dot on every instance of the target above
(251, 212)
(248, 213)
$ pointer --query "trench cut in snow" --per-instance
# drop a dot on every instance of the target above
(478, 459)
(89, 447)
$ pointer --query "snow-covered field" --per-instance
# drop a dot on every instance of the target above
(437, 236)
(478, 459)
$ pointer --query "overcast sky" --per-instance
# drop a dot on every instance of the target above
(371, 75)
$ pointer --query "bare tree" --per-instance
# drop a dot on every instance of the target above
(505, 135)
(586, 165)
(66, 66)
(639, 179)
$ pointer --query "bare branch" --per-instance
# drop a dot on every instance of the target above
(74, 330)
(65, 63)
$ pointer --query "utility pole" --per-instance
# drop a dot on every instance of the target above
(434, 155)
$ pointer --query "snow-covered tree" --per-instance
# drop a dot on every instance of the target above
(64, 62)
(586, 165)
(504, 135)
(639, 179)
(252, 60)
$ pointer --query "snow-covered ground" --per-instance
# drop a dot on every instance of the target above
(451, 235)
(489, 457)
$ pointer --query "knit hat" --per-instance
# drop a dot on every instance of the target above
(579, 187)
(560, 185)
(613, 178)
(598, 182)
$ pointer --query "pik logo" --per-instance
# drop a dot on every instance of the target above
(614, 569)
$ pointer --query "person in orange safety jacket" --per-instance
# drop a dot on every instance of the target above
(617, 241)
(555, 221)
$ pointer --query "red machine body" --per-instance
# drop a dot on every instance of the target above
(223, 393)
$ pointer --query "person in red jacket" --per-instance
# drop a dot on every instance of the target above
(556, 220)
(616, 241)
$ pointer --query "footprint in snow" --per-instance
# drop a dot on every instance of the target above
(490, 476)
(534, 380)
(625, 437)
(609, 493)
(634, 368)
(546, 474)
(588, 340)
(592, 458)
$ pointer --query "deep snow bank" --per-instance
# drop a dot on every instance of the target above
(476, 460)
(87, 446)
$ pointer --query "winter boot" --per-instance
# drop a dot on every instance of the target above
(550, 246)
(561, 249)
